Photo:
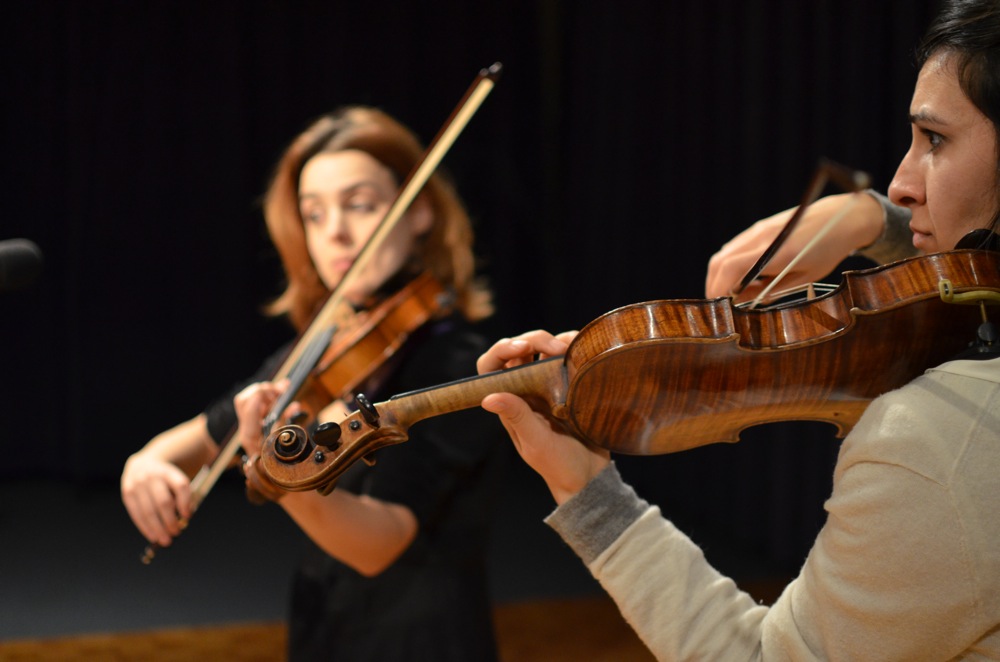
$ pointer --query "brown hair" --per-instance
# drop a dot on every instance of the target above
(445, 251)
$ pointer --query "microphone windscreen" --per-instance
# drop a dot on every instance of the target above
(20, 263)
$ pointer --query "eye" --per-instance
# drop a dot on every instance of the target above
(311, 215)
(363, 207)
(363, 203)
(934, 139)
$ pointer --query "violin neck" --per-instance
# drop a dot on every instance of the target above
(542, 384)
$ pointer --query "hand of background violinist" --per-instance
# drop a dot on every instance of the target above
(157, 496)
(156, 484)
(860, 227)
(252, 405)
(565, 463)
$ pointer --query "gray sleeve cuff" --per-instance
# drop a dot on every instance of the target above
(896, 240)
(597, 515)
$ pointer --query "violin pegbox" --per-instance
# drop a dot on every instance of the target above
(297, 461)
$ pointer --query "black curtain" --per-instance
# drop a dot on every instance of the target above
(623, 144)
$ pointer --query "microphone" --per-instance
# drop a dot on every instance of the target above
(20, 263)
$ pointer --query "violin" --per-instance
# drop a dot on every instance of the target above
(341, 348)
(363, 347)
(666, 376)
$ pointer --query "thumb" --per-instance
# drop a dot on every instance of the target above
(510, 408)
(516, 416)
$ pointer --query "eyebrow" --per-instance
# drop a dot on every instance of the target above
(926, 118)
(349, 189)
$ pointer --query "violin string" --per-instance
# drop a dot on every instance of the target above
(836, 218)
(298, 375)
(850, 180)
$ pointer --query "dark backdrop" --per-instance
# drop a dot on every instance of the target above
(623, 144)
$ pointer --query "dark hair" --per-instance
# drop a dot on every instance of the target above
(969, 30)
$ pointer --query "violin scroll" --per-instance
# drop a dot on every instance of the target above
(297, 462)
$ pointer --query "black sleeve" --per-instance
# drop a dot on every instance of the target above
(445, 455)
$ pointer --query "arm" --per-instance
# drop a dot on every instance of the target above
(859, 577)
(660, 580)
(899, 565)
(872, 226)
(680, 606)
(156, 481)
(367, 534)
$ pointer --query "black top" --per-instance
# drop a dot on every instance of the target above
(433, 602)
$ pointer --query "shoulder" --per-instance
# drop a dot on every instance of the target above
(913, 496)
(930, 422)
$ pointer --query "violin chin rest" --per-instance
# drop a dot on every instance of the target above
(983, 239)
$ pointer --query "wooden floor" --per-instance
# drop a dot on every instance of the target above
(564, 630)
(553, 631)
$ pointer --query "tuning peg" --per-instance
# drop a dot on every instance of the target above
(367, 409)
(327, 435)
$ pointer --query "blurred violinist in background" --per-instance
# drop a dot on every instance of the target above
(906, 566)
(398, 567)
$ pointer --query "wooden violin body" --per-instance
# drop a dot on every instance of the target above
(662, 377)
(666, 376)
(366, 342)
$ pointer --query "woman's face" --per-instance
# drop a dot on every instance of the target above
(342, 198)
(948, 178)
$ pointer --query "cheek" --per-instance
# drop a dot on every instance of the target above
(310, 238)
(314, 249)
(966, 203)
(982, 196)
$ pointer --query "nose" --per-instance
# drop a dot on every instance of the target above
(337, 228)
(907, 186)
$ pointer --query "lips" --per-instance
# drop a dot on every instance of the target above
(342, 265)
(922, 241)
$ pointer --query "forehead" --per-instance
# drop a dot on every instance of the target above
(338, 171)
(939, 95)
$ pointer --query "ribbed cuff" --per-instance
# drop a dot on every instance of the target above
(597, 515)
(896, 241)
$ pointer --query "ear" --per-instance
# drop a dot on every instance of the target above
(420, 216)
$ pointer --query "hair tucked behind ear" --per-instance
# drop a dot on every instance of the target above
(445, 251)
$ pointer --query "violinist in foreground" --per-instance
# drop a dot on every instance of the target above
(906, 566)
(398, 569)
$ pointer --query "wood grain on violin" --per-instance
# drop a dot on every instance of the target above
(666, 376)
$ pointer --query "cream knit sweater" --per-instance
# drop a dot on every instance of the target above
(907, 566)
